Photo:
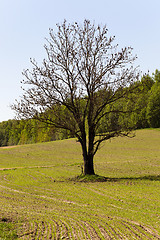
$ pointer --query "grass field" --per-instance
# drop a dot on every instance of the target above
(41, 198)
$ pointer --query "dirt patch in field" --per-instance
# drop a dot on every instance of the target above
(8, 147)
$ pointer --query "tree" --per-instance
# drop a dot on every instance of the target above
(79, 84)
(156, 76)
(138, 116)
(153, 106)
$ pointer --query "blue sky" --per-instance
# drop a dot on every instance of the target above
(24, 24)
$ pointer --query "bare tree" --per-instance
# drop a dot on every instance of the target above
(78, 85)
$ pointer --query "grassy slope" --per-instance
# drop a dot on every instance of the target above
(35, 189)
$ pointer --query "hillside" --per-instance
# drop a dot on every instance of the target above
(41, 198)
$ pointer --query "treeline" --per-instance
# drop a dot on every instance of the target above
(148, 103)
(14, 132)
(146, 114)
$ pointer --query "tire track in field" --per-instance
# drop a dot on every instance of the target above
(27, 167)
(44, 197)
(106, 229)
(73, 228)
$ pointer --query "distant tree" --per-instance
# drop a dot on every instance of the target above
(138, 116)
(156, 76)
(153, 106)
(1, 135)
(79, 84)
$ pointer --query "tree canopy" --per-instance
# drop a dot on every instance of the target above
(85, 79)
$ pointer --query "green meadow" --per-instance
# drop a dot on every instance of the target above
(42, 198)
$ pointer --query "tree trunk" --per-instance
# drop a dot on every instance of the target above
(88, 165)
(87, 156)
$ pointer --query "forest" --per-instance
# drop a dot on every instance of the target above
(146, 114)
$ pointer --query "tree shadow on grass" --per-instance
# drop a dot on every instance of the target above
(98, 178)
(146, 177)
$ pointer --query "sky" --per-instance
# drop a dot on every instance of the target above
(24, 25)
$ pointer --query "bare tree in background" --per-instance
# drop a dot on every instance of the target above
(78, 85)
